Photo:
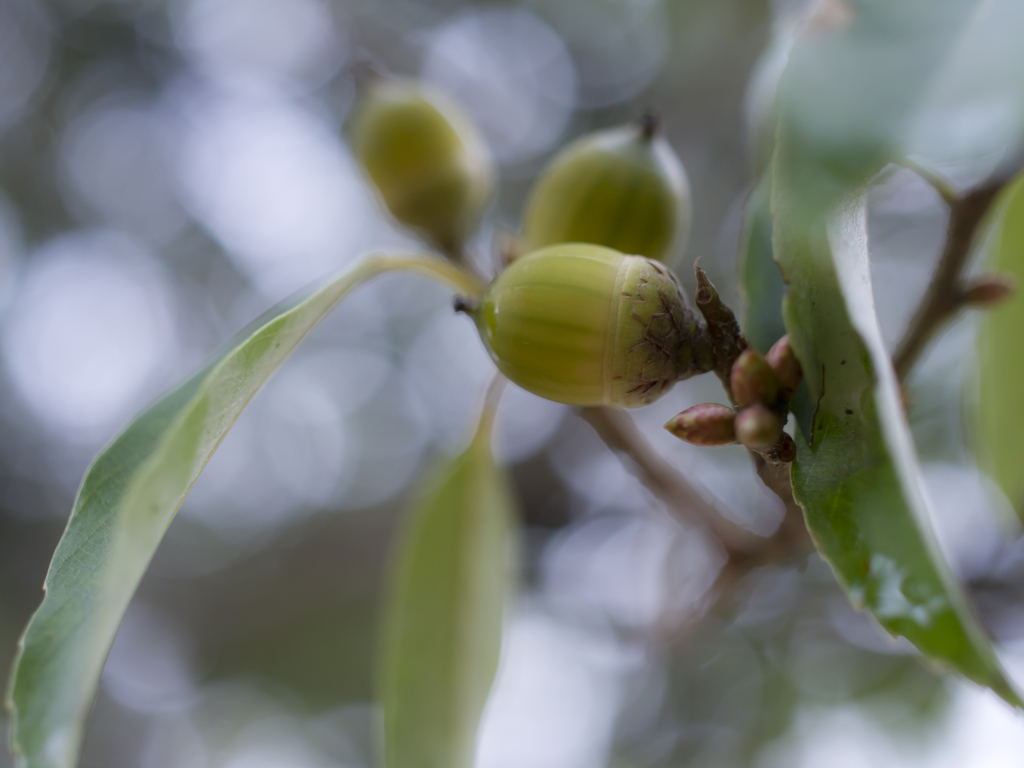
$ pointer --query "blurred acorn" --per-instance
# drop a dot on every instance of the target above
(708, 424)
(782, 360)
(426, 158)
(758, 428)
(587, 325)
(753, 380)
(622, 188)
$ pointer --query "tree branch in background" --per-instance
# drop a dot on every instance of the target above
(618, 431)
(946, 293)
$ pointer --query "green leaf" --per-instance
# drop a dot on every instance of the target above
(999, 422)
(128, 498)
(856, 76)
(761, 284)
(856, 475)
(443, 628)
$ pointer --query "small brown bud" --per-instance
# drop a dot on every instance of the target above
(785, 449)
(757, 427)
(753, 380)
(787, 369)
(709, 424)
(988, 290)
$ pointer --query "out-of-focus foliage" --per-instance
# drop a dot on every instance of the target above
(128, 498)
(445, 608)
(1000, 416)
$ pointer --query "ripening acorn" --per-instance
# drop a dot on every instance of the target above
(707, 424)
(757, 427)
(426, 158)
(623, 188)
(752, 380)
(586, 325)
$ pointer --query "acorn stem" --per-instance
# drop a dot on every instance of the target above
(467, 305)
(649, 123)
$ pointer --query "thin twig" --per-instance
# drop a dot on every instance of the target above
(621, 434)
(945, 293)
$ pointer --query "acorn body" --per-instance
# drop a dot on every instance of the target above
(586, 325)
(426, 158)
(622, 188)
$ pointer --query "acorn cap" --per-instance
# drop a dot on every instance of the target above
(708, 424)
(758, 428)
(586, 325)
(787, 369)
(426, 159)
(752, 380)
(622, 188)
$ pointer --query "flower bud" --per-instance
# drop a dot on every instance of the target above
(426, 159)
(787, 369)
(757, 427)
(752, 380)
(623, 188)
(709, 424)
(988, 290)
(586, 325)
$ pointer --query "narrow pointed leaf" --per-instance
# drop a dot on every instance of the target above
(856, 475)
(999, 422)
(126, 501)
(443, 627)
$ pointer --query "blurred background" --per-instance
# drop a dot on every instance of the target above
(170, 169)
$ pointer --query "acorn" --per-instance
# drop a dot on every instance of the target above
(426, 158)
(623, 188)
(707, 424)
(758, 428)
(586, 325)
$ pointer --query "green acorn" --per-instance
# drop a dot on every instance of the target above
(622, 188)
(426, 159)
(587, 325)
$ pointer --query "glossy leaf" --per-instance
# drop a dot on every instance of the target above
(126, 501)
(856, 475)
(443, 628)
(854, 80)
(1000, 417)
(761, 284)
